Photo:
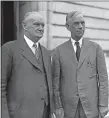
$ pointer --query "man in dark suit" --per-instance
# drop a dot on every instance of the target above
(80, 80)
(26, 73)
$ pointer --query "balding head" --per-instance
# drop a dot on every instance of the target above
(33, 25)
(31, 15)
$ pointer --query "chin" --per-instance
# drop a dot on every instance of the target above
(39, 36)
(79, 36)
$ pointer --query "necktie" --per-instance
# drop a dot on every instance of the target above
(36, 50)
(78, 50)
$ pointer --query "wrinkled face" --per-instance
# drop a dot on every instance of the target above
(35, 27)
(76, 25)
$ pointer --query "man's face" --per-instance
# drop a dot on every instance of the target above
(35, 27)
(76, 25)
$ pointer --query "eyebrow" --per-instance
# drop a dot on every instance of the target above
(39, 22)
(78, 21)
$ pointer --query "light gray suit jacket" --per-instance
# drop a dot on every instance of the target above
(86, 80)
(22, 89)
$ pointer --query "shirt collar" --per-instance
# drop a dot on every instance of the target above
(30, 42)
(80, 41)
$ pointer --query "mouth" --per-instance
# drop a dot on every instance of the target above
(80, 32)
(39, 32)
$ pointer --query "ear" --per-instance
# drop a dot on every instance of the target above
(67, 26)
(24, 25)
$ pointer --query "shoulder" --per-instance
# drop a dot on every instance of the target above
(59, 49)
(10, 44)
(94, 45)
(44, 48)
(10, 47)
(62, 46)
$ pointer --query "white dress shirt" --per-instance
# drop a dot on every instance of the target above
(74, 45)
(30, 43)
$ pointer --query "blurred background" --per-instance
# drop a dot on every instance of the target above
(96, 17)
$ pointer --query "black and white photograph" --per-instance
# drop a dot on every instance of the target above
(54, 59)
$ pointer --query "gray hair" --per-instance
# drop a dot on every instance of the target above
(72, 14)
(30, 15)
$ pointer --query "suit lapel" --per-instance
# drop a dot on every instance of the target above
(84, 52)
(28, 54)
(72, 52)
(44, 57)
(46, 64)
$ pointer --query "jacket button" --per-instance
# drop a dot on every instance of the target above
(38, 71)
(42, 98)
(77, 94)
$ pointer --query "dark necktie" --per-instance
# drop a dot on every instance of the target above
(36, 50)
(78, 50)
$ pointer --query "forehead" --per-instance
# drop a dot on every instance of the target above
(35, 18)
(76, 18)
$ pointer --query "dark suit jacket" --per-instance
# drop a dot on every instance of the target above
(22, 89)
(86, 80)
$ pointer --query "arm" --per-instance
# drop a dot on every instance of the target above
(6, 70)
(103, 82)
(56, 82)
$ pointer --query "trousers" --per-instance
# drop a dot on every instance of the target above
(80, 111)
(46, 112)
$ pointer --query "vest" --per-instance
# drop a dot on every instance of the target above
(44, 87)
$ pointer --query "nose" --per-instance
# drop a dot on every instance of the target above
(41, 27)
(80, 26)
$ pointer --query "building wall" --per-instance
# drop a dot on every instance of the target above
(96, 18)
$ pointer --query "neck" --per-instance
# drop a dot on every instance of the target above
(76, 39)
(34, 39)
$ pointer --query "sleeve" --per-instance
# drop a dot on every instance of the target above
(56, 80)
(103, 82)
(6, 60)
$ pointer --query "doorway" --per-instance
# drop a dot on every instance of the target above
(7, 21)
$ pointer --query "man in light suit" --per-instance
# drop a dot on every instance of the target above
(26, 73)
(80, 80)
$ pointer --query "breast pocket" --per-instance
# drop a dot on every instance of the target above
(93, 76)
(91, 65)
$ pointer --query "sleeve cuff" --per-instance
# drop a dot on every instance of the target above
(58, 103)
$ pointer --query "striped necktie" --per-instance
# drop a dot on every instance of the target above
(36, 50)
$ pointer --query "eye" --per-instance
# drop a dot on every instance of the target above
(42, 25)
(82, 22)
(76, 23)
(36, 24)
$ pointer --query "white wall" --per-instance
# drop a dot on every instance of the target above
(96, 16)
